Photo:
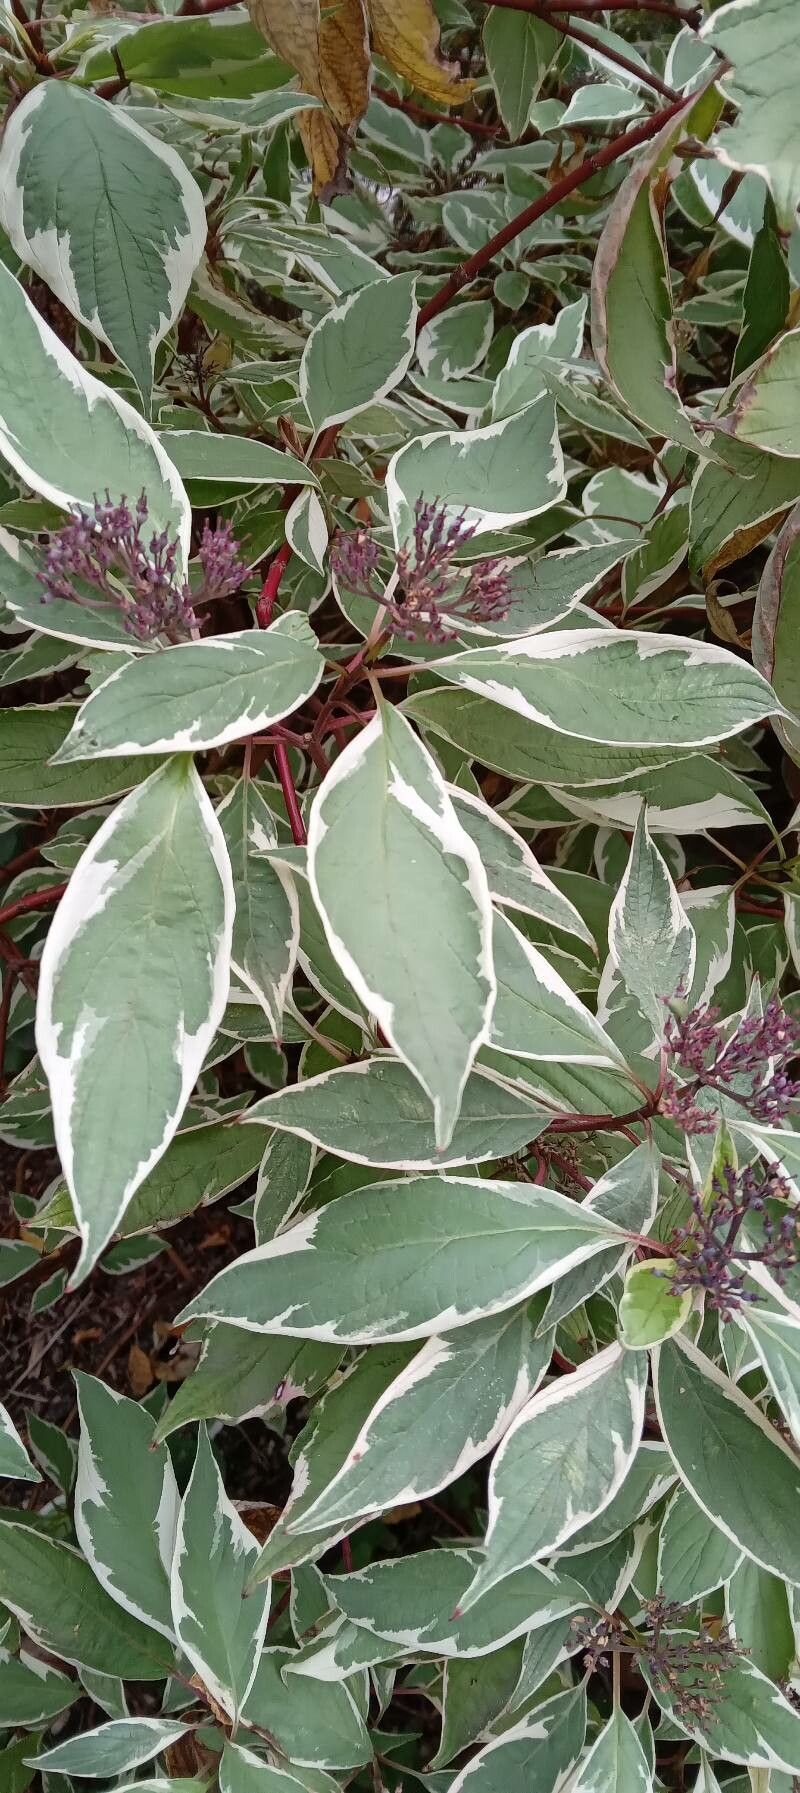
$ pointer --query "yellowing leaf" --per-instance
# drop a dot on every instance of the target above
(328, 47)
(408, 36)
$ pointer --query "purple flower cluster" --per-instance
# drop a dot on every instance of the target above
(688, 1668)
(751, 1067)
(102, 557)
(708, 1252)
(432, 591)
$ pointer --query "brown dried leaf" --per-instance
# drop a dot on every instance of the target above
(406, 32)
(259, 1517)
(140, 1371)
(326, 146)
(330, 51)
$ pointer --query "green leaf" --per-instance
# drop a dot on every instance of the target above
(759, 40)
(761, 1619)
(322, 1448)
(445, 1411)
(266, 929)
(766, 294)
(14, 1459)
(730, 515)
(516, 879)
(694, 1556)
(134, 980)
(81, 438)
(113, 1748)
(220, 1631)
(734, 1463)
(632, 323)
(405, 903)
(407, 1600)
(198, 694)
(476, 1693)
(616, 1762)
(536, 1015)
(520, 50)
(307, 531)
(775, 625)
(650, 937)
(648, 1310)
(497, 475)
(776, 1338)
(359, 350)
(126, 1503)
(31, 1692)
(405, 1260)
(750, 1722)
(200, 56)
(561, 1462)
(29, 779)
(538, 1752)
(316, 1723)
(520, 748)
(624, 689)
(240, 1771)
(374, 1112)
(61, 1605)
(242, 1375)
(539, 351)
(119, 246)
(765, 411)
(206, 458)
(457, 341)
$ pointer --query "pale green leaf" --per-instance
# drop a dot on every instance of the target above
(618, 688)
(734, 1463)
(359, 350)
(561, 1461)
(118, 243)
(80, 438)
(374, 1112)
(134, 980)
(220, 1631)
(406, 1260)
(497, 475)
(126, 1502)
(405, 903)
(198, 694)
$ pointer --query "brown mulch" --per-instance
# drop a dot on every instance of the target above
(120, 1328)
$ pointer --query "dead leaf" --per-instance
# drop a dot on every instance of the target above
(140, 1371)
(221, 1717)
(330, 51)
(188, 1757)
(259, 1517)
(407, 33)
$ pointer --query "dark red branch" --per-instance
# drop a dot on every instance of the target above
(556, 18)
(280, 755)
(422, 116)
(36, 899)
(599, 158)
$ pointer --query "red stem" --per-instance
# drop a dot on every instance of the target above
(600, 158)
(688, 16)
(422, 115)
(36, 899)
(281, 757)
(585, 38)
(271, 586)
(5, 1010)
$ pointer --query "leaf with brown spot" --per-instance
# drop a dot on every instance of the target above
(407, 34)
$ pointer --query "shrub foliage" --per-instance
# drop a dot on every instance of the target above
(400, 582)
